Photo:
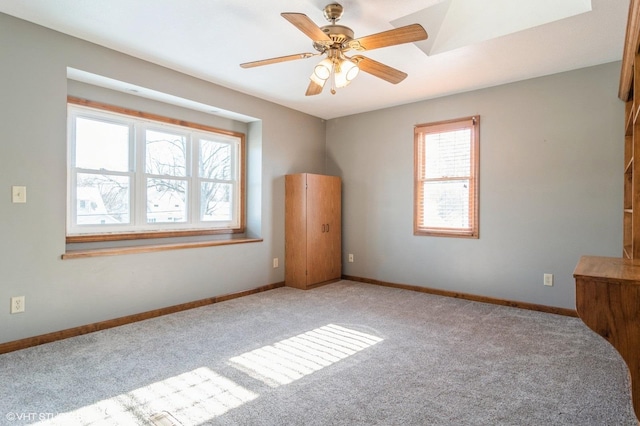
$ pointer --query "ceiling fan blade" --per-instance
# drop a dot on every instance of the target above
(307, 26)
(379, 70)
(278, 59)
(406, 34)
(315, 88)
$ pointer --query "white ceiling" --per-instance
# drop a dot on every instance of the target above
(488, 45)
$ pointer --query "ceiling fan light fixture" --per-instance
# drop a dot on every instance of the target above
(345, 71)
(323, 70)
(336, 68)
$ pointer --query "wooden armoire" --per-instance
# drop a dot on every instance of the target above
(313, 230)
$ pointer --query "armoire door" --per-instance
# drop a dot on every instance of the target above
(324, 241)
(296, 231)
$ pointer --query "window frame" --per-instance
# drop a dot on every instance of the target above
(145, 230)
(420, 130)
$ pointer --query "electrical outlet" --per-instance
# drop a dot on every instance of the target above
(18, 194)
(275, 262)
(17, 304)
(350, 257)
(548, 280)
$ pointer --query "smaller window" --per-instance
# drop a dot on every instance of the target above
(446, 178)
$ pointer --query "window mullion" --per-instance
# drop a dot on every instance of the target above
(194, 179)
(140, 201)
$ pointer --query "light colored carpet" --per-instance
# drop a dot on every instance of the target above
(343, 354)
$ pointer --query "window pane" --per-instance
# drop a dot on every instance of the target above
(101, 145)
(102, 199)
(216, 201)
(448, 154)
(166, 200)
(446, 204)
(215, 160)
(166, 154)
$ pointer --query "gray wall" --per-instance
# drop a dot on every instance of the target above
(551, 154)
(550, 189)
(62, 294)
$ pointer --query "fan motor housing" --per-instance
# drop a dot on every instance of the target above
(339, 35)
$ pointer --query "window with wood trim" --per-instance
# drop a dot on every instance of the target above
(446, 178)
(137, 175)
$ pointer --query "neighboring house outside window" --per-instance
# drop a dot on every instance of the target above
(446, 178)
(138, 175)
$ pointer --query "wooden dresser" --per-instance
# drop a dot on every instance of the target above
(608, 302)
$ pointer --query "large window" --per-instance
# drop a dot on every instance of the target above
(137, 175)
(446, 178)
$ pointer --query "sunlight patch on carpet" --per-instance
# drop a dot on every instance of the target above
(200, 395)
(291, 359)
(196, 396)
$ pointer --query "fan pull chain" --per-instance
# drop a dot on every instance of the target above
(333, 78)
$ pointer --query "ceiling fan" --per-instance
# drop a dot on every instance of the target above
(334, 41)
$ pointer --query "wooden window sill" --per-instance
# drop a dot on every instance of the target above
(113, 251)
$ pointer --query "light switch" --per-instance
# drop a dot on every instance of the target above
(19, 194)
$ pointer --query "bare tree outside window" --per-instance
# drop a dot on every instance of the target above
(215, 173)
(166, 157)
(102, 199)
